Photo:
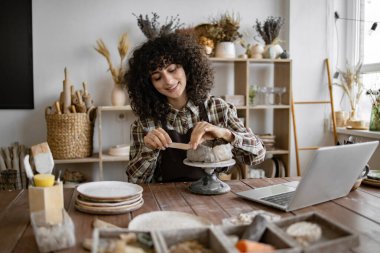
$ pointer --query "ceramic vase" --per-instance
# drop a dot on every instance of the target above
(225, 50)
(118, 95)
(374, 123)
(272, 51)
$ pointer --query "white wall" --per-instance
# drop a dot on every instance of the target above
(311, 42)
(64, 34)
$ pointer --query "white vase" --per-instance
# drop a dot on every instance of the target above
(118, 96)
(272, 51)
(225, 50)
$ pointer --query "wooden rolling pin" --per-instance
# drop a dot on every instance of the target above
(66, 94)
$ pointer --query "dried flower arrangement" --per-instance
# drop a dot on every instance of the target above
(351, 83)
(123, 46)
(151, 27)
(270, 29)
(225, 28)
(247, 47)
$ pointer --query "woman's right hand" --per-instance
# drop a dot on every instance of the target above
(157, 139)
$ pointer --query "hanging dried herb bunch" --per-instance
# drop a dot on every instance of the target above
(225, 28)
(270, 29)
(123, 45)
(152, 28)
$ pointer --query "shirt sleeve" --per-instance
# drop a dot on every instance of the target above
(142, 160)
(247, 147)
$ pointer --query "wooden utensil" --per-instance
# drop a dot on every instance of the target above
(184, 146)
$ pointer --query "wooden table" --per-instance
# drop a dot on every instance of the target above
(359, 211)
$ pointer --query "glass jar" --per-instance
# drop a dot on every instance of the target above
(374, 124)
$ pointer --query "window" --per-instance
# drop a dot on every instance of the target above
(369, 50)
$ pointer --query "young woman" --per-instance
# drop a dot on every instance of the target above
(169, 81)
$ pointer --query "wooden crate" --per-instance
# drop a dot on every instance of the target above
(206, 236)
(335, 237)
(103, 235)
(271, 236)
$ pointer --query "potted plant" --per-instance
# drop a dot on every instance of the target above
(269, 31)
(374, 123)
(118, 95)
(224, 31)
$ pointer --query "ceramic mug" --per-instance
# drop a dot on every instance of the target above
(360, 178)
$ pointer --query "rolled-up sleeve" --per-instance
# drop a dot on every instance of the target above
(247, 147)
(142, 160)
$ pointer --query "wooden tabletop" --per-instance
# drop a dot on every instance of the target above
(359, 211)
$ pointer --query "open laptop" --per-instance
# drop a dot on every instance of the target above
(331, 174)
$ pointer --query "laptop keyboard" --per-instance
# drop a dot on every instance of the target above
(280, 199)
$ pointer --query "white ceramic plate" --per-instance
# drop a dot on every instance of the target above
(210, 165)
(86, 202)
(374, 174)
(109, 190)
(119, 150)
(163, 220)
(109, 210)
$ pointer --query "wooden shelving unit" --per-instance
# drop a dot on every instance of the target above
(281, 121)
(242, 80)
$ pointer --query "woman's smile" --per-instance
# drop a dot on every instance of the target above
(170, 81)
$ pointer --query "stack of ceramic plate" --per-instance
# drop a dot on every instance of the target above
(108, 197)
(268, 140)
(373, 178)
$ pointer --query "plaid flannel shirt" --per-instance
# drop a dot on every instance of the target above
(247, 148)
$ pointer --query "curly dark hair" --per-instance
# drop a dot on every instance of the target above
(175, 48)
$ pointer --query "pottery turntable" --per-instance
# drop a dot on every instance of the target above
(210, 184)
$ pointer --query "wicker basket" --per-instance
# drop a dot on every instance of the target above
(70, 135)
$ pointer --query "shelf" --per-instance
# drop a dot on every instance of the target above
(110, 158)
(277, 152)
(215, 59)
(92, 159)
(361, 133)
(115, 108)
(256, 107)
(276, 118)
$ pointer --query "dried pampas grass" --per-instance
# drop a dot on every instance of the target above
(123, 46)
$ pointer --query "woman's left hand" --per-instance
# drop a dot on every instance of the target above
(205, 131)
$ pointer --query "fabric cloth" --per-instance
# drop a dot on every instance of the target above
(247, 148)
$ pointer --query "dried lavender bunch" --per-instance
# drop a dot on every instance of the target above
(151, 27)
(270, 30)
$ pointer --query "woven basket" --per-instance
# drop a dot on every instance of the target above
(70, 135)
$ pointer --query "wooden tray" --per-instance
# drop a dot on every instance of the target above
(335, 237)
(103, 236)
(271, 236)
(208, 237)
(371, 182)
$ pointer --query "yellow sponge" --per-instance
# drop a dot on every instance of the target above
(43, 180)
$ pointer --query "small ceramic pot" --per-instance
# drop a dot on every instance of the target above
(118, 96)
(272, 51)
(225, 50)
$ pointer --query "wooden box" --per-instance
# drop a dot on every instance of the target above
(206, 236)
(42, 198)
(335, 237)
(48, 199)
(104, 236)
(271, 236)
